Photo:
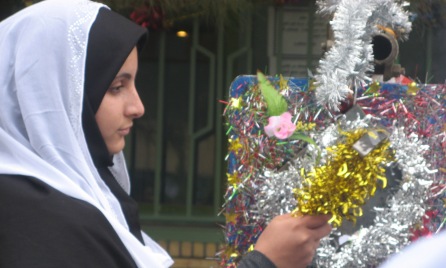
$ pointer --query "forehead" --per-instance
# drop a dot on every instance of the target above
(130, 65)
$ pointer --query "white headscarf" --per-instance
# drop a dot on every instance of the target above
(42, 65)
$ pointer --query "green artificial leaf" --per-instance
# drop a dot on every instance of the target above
(302, 137)
(276, 103)
(307, 139)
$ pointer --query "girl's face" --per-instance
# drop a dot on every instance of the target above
(120, 105)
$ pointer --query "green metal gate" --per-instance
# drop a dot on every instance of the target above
(176, 153)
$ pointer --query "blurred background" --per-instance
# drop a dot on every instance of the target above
(176, 155)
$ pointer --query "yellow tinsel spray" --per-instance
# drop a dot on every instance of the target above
(348, 179)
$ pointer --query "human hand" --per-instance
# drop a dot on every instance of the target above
(292, 241)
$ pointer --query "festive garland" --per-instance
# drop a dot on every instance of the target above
(327, 162)
(392, 226)
(347, 65)
(265, 171)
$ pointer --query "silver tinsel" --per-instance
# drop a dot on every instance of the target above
(348, 63)
(326, 7)
(391, 230)
(275, 195)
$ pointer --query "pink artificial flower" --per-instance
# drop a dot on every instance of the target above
(280, 126)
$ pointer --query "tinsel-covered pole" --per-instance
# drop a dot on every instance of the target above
(391, 230)
(348, 63)
(326, 168)
(265, 171)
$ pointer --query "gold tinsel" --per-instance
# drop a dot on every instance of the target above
(343, 185)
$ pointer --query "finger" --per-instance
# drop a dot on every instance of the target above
(322, 231)
(315, 221)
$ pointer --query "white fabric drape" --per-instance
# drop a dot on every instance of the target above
(42, 64)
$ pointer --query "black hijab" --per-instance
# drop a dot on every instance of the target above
(111, 39)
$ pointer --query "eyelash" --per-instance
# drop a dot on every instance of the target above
(117, 88)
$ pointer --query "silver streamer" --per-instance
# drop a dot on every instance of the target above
(327, 7)
(391, 230)
(348, 63)
(275, 196)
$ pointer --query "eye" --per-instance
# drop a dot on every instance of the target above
(114, 89)
(120, 83)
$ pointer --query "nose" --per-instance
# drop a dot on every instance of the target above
(135, 108)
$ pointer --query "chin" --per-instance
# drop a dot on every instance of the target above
(116, 148)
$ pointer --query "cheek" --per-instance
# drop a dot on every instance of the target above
(103, 123)
(108, 123)
(105, 117)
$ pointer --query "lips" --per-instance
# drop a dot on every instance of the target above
(124, 131)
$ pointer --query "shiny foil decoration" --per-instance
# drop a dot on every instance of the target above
(347, 180)
(349, 62)
(275, 195)
(391, 230)
(262, 171)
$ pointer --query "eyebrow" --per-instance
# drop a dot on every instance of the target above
(124, 75)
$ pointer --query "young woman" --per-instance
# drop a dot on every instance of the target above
(67, 100)
(67, 71)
